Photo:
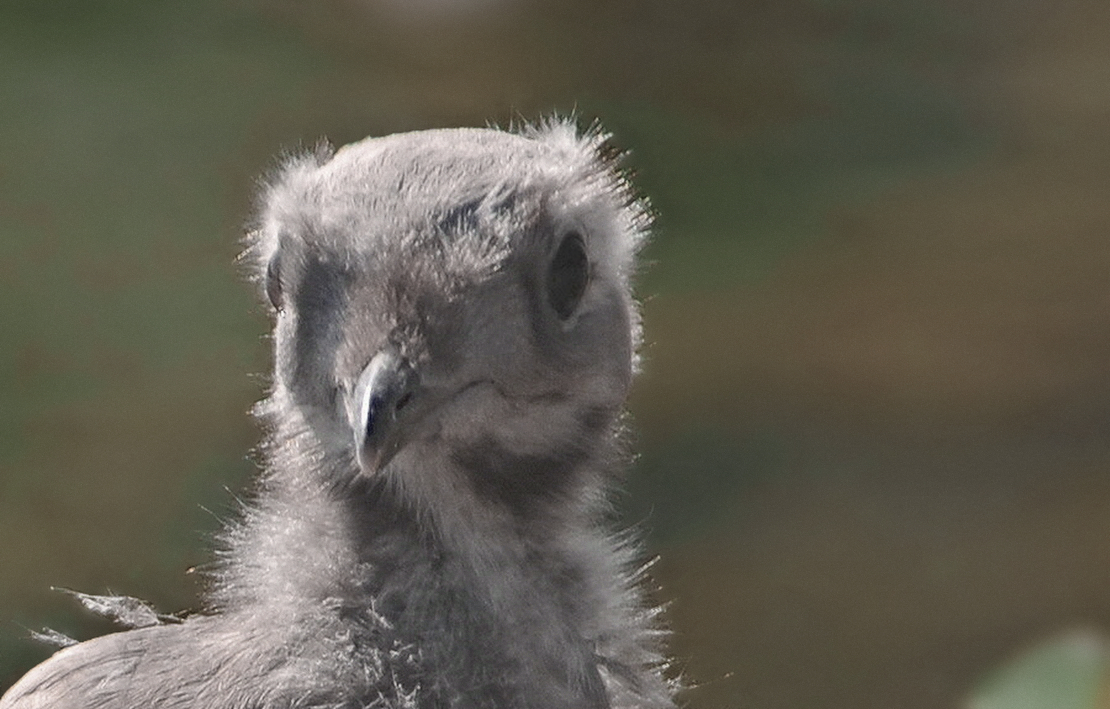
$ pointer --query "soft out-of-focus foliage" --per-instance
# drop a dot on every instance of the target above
(874, 415)
(1064, 672)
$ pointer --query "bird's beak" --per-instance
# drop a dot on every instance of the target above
(377, 407)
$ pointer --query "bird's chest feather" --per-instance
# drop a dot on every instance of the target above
(493, 635)
(382, 610)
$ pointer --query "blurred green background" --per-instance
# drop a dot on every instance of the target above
(875, 410)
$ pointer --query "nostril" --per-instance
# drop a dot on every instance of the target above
(378, 406)
(373, 411)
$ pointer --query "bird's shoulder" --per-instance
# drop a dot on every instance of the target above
(95, 674)
(215, 662)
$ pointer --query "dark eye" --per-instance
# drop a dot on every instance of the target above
(273, 282)
(568, 275)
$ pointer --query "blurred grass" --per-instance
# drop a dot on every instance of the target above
(1065, 672)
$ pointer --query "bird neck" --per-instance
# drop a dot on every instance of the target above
(515, 610)
(501, 563)
(523, 608)
(515, 614)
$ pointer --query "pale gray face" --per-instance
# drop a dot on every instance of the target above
(453, 307)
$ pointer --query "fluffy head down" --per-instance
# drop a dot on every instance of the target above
(452, 308)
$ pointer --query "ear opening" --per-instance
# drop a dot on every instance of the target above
(568, 275)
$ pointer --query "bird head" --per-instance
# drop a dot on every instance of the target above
(452, 308)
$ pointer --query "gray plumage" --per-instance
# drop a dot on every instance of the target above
(454, 338)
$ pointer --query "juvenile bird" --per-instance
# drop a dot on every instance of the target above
(454, 338)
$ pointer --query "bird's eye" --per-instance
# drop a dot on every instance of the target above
(273, 282)
(568, 275)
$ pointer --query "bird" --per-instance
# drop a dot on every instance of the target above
(454, 337)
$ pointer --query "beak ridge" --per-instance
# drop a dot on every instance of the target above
(384, 389)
